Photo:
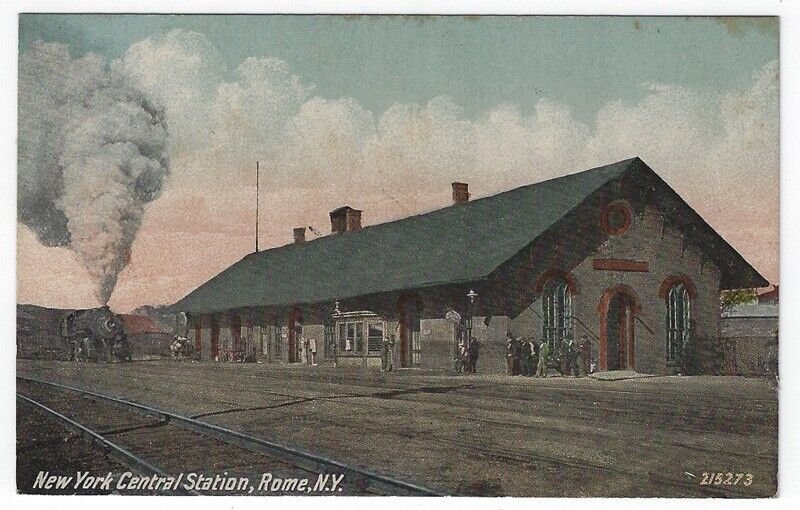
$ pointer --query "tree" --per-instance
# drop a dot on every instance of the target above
(731, 298)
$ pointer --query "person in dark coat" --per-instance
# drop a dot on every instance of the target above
(387, 353)
(527, 357)
(567, 356)
(517, 363)
(534, 353)
(583, 356)
(510, 347)
(473, 351)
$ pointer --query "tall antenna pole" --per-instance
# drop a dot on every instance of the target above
(256, 206)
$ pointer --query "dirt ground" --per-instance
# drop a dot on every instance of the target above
(479, 435)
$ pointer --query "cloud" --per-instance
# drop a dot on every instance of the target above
(323, 142)
(180, 71)
(249, 114)
(740, 192)
(668, 121)
(417, 147)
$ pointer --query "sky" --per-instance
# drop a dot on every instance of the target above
(380, 113)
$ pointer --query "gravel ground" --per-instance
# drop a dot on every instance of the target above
(478, 435)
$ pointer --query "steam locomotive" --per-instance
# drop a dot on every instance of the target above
(95, 334)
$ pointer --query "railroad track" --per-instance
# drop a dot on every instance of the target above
(127, 458)
(356, 479)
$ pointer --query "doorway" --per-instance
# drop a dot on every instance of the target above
(618, 309)
(214, 339)
(295, 335)
(409, 322)
(198, 336)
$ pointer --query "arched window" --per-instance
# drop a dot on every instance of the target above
(556, 312)
(679, 319)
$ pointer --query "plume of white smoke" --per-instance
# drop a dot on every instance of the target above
(92, 153)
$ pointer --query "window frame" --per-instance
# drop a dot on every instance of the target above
(678, 323)
(356, 341)
(370, 323)
(617, 206)
(557, 312)
(340, 328)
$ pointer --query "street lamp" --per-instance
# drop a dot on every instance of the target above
(335, 314)
(471, 295)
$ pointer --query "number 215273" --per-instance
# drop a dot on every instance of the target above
(726, 479)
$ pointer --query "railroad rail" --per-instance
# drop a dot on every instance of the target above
(126, 457)
(363, 479)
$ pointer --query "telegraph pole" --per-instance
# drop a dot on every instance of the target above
(256, 206)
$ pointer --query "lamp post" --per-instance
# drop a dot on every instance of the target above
(471, 295)
(335, 313)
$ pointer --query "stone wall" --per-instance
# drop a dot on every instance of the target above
(666, 255)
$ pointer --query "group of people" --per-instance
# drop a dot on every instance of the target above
(526, 357)
(467, 357)
(181, 348)
(307, 350)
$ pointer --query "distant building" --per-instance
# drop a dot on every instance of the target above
(145, 335)
(613, 253)
(39, 333)
(753, 329)
(769, 297)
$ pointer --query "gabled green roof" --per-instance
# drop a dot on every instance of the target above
(457, 244)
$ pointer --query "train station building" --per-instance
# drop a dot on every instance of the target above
(612, 253)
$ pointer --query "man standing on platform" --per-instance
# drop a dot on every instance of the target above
(302, 348)
(387, 348)
(510, 353)
(567, 356)
(312, 351)
(544, 359)
(527, 357)
(461, 356)
(583, 356)
(473, 355)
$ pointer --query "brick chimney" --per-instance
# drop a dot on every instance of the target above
(345, 219)
(299, 235)
(460, 192)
